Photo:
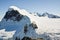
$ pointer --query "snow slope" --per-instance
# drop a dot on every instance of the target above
(14, 29)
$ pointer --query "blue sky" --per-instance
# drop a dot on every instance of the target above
(41, 6)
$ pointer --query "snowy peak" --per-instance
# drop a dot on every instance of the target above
(13, 8)
(45, 14)
(13, 14)
(50, 15)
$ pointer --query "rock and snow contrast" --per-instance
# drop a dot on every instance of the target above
(18, 24)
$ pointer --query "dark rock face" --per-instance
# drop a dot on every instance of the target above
(26, 38)
(33, 25)
(13, 15)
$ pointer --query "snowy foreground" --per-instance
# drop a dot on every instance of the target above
(46, 29)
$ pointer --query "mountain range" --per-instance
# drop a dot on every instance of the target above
(18, 24)
(46, 14)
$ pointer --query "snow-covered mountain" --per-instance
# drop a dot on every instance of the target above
(46, 14)
(50, 15)
(19, 24)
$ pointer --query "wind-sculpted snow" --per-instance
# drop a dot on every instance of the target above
(15, 20)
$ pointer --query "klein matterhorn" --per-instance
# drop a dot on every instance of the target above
(18, 24)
